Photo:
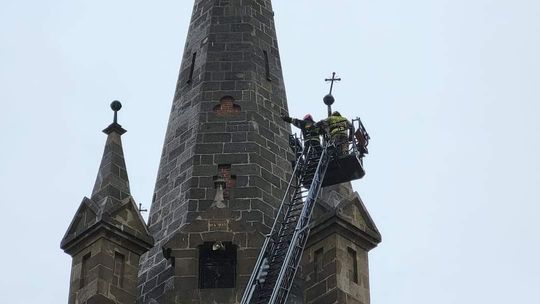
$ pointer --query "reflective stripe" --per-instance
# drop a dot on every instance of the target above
(338, 125)
(338, 130)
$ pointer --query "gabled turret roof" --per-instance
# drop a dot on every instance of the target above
(111, 208)
(341, 207)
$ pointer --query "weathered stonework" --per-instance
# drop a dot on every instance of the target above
(225, 166)
(107, 235)
(335, 262)
(225, 114)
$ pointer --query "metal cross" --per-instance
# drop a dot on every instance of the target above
(141, 210)
(332, 81)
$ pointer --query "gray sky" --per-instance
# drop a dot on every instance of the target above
(448, 90)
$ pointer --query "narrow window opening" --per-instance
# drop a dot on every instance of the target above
(224, 171)
(84, 269)
(119, 262)
(267, 66)
(318, 259)
(353, 273)
(217, 265)
(192, 68)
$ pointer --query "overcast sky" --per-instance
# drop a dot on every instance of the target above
(448, 89)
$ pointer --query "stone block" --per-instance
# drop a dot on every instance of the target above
(316, 291)
(212, 127)
(195, 239)
(330, 297)
(245, 169)
(259, 182)
(247, 192)
(196, 226)
(239, 137)
(252, 216)
(122, 296)
(213, 236)
(197, 193)
(240, 147)
(240, 239)
(231, 158)
(242, 181)
(186, 267)
(207, 159)
(212, 148)
(217, 137)
(205, 170)
(268, 176)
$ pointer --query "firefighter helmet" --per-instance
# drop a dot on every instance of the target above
(308, 117)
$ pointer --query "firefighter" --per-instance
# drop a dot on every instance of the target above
(340, 131)
(309, 129)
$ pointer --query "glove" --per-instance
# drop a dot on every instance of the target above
(286, 118)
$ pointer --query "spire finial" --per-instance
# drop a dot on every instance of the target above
(329, 99)
(116, 106)
(115, 127)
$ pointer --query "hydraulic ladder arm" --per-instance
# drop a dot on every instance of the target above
(280, 256)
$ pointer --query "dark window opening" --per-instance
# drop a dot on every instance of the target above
(192, 68)
(353, 273)
(267, 66)
(84, 269)
(217, 265)
(118, 273)
(318, 259)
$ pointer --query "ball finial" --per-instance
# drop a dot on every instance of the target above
(329, 100)
(116, 105)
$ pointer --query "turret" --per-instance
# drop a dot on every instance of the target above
(107, 235)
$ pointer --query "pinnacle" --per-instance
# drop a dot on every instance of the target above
(112, 179)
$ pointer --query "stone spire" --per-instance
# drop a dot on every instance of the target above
(112, 179)
(107, 235)
(225, 126)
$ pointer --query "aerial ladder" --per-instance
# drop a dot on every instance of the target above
(280, 255)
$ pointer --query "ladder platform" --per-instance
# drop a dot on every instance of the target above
(343, 169)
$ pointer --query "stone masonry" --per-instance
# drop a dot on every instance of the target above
(225, 117)
(335, 262)
(107, 235)
(224, 169)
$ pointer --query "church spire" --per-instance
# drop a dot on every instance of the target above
(225, 163)
(112, 179)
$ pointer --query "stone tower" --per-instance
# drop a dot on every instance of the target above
(225, 166)
(107, 235)
(225, 163)
(335, 261)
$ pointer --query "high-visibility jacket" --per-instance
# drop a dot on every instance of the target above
(309, 130)
(338, 125)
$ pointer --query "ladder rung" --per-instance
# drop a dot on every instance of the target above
(295, 209)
